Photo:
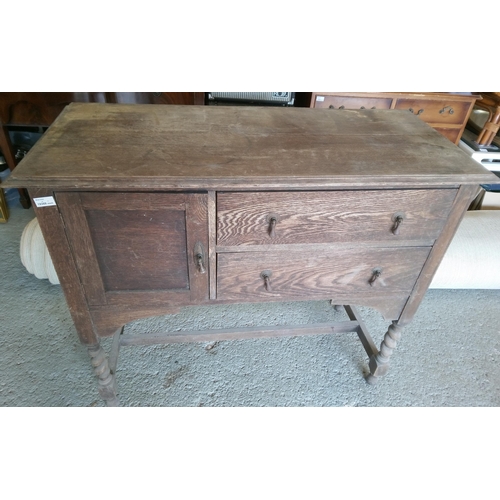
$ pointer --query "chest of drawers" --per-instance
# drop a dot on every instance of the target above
(155, 208)
(447, 112)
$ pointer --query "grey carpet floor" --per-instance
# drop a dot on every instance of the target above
(448, 356)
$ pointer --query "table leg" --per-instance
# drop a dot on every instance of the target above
(379, 363)
(107, 386)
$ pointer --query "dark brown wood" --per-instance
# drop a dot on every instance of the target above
(83, 250)
(333, 216)
(143, 234)
(108, 319)
(462, 201)
(237, 333)
(60, 250)
(212, 242)
(336, 272)
(271, 148)
(362, 330)
(164, 207)
(197, 242)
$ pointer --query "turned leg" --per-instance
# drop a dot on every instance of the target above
(379, 363)
(107, 389)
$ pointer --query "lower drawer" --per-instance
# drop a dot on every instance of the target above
(348, 273)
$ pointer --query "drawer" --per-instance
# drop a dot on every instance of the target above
(332, 216)
(339, 102)
(346, 273)
(436, 111)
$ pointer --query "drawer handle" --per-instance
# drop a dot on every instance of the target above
(199, 257)
(266, 276)
(376, 274)
(333, 107)
(272, 220)
(446, 108)
(398, 218)
(419, 112)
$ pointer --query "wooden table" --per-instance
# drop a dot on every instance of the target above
(146, 209)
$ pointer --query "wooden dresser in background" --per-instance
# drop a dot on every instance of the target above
(447, 112)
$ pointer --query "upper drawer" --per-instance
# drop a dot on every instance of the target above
(266, 218)
(436, 111)
(339, 102)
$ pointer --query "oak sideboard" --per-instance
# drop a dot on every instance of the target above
(146, 209)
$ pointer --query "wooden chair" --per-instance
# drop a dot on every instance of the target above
(490, 103)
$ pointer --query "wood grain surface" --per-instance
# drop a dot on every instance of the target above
(333, 216)
(156, 147)
(344, 273)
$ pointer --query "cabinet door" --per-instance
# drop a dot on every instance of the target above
(136, 247)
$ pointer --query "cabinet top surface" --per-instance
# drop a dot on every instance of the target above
(119, 146)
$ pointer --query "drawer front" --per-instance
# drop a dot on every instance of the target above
(339, 102)
(347, 273)
(436, 111)
(331, 216)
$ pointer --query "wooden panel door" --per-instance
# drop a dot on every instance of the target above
(136, 247)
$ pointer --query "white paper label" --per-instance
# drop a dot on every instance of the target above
(46, 201)
(320, 98)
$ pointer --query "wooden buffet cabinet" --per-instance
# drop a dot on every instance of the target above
(447, 112)
(146, 209)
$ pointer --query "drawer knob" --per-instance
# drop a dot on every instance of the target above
(199, 257)
(446, 108)
(272, 220)
(419, 112)
(375, 275)
(398, 218)
(266, 276)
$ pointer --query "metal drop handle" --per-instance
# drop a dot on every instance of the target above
(398, 219)
(376, 274)
(419, 112)
(272, 219)
(266, 276)
(199, 257)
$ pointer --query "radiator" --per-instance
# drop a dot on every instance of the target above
(273, 98)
